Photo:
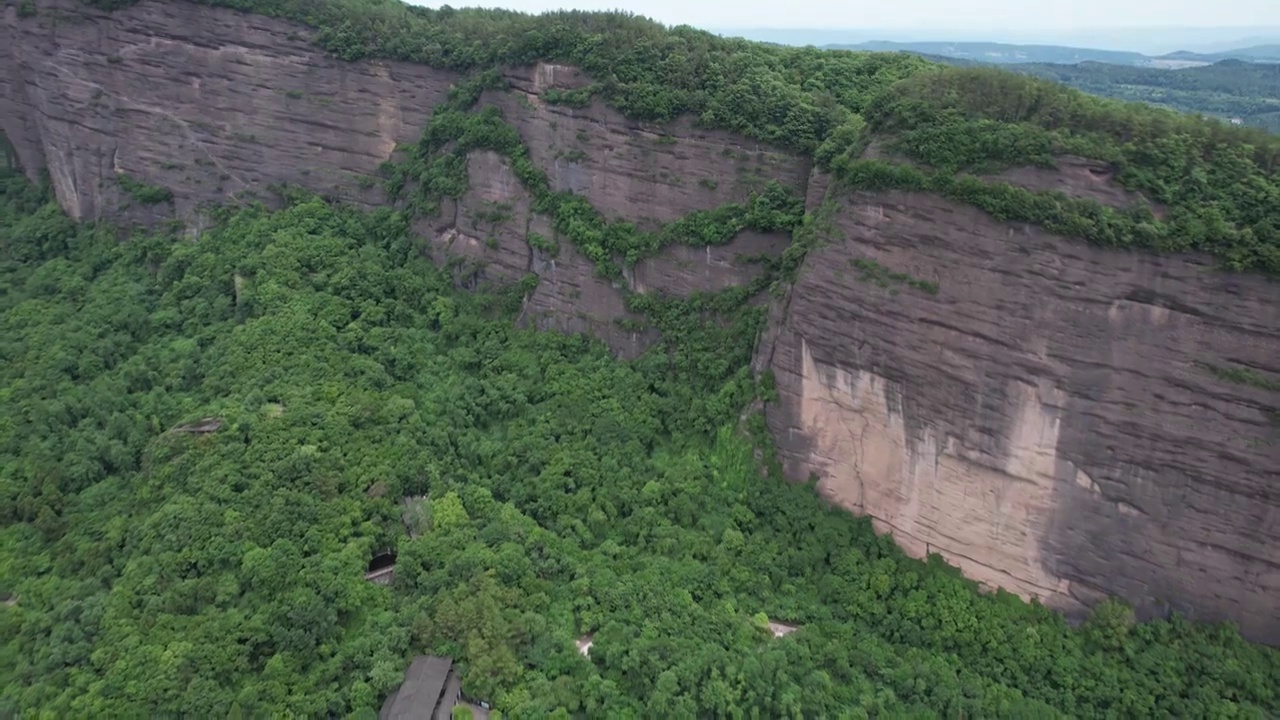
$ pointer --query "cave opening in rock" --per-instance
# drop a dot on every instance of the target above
(382, 561)
(8, 155)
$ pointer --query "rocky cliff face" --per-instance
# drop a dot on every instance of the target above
(213, 104)
(646, 175)
(217, 106)
(1037, 411)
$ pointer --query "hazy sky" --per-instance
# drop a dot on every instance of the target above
(952, 15)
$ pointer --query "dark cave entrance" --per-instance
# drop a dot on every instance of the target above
(8, 156)
(382, 561)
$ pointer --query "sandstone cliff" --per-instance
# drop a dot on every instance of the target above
(1035, 410)
(210, 103)
(629, 171)
(216, 106)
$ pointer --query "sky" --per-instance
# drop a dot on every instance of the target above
(967, 16)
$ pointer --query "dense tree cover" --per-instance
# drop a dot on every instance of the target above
(1268, 120)
(1227, 205)
(1229, 77)
(153, 571)
(1228, 89)
(1219, 184)
(1223, 88)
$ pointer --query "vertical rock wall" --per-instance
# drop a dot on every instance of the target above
(212, 104)
(1036, 410)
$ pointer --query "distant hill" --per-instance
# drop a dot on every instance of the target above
(1227, 77)
(1008, 54)
(1230, 89)
(1153, 41)
(1003, 53)
(1257, 53)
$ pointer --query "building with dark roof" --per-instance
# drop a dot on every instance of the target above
(430, 689)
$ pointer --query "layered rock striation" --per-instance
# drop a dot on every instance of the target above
(213, 104)
(1044, 414)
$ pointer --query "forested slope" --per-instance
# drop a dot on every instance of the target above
(154, 571)
(1228, 89)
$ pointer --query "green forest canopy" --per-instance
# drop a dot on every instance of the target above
(1246, 91)
(1231, 88)
(154, 571)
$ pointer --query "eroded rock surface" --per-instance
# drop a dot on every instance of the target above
(1079, 178)
(487, 236)
(487, 233)
(646, 174)
(210, 103)
(217, 105)
(1033, 409)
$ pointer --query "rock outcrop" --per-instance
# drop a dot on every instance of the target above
(210, 103)
(1037, 411)
(646, 175)
(216, 105)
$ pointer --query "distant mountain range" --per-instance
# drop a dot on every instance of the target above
(1007, 53)
(1150, 41)
(1269, 53)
